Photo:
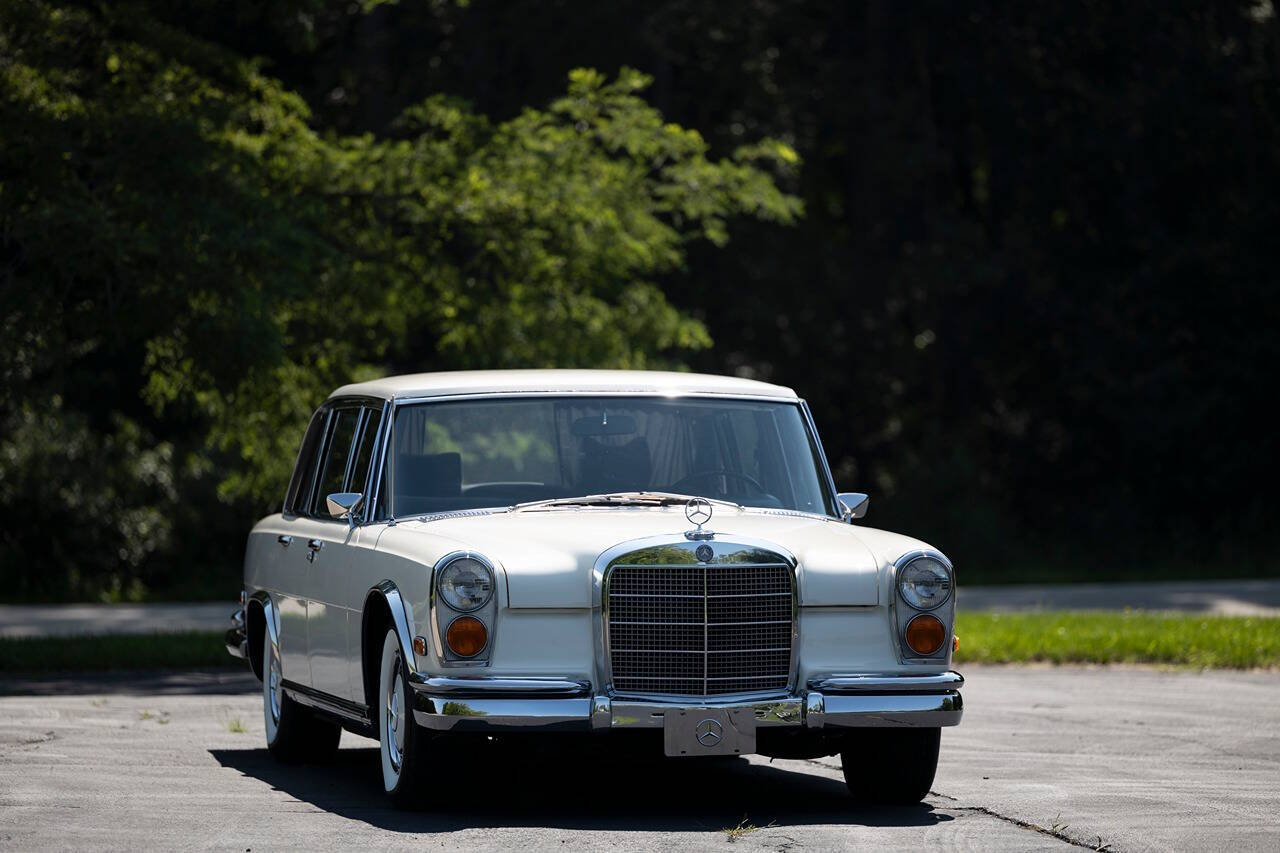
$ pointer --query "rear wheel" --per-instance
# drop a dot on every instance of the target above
(294, 734)
(891, 766)
(401, 744)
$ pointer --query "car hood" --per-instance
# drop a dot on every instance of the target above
(548, 556)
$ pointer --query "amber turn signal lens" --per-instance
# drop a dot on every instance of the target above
(466, 636)
(926, 634)
(955, 643)
(419, 645)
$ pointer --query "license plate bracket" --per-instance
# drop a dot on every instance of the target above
(709, 731)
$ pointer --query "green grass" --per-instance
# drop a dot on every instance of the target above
(1190, 640)
(195, 649)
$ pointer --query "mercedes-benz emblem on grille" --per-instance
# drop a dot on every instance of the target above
(704, 553)
(698, 511)
(708, 732)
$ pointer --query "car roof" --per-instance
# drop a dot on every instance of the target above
(464, 382)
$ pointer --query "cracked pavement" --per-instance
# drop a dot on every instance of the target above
(1065, 758)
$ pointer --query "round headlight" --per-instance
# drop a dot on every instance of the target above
(924, 583)
(465, 584)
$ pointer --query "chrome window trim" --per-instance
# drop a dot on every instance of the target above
(325, 447)
(806, 418)
(380, 453)
(901, 612)
(438, 609)
(832, 492)
(361, 413)
(370, 480)
(600, 618)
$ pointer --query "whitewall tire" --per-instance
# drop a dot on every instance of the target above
(400, 741)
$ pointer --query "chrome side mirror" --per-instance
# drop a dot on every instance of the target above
(853, 505)
(344, 505)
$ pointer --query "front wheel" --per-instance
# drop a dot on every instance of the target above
(891, 766)
(294, 734)
(401, 744)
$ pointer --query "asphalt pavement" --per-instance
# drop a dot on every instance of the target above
(1219, 598)
(1121, 759)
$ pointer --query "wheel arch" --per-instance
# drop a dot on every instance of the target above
(384, 608)
(259, 617)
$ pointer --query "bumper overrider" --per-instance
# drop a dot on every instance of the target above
(493, 704)
(236, 640)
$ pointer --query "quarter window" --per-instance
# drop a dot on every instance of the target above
(295, 499)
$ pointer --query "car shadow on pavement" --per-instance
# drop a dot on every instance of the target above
(578, 787)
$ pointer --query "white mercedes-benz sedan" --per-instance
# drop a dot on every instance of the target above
(514, 553)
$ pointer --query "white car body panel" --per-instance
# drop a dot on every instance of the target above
(549, 555)
(280, 571)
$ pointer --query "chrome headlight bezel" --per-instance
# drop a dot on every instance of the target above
(442, 574)
(911, 599)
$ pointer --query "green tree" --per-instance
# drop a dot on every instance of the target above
(190, 262)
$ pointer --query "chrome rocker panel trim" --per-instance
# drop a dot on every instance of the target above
(872, 700)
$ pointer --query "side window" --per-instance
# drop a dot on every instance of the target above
(295, 498)
(368, 436)
(333, 471)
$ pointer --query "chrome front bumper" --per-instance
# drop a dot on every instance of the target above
(236, 640)
(489, 704)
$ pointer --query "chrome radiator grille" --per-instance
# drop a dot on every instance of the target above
(700, 629)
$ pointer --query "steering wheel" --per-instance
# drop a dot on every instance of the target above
(679, 485)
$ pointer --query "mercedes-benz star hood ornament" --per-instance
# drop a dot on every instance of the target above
(698, 511)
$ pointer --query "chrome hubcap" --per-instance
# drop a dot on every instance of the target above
(395, 717)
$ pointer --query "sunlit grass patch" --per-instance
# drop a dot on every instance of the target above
(742, 830)
(1193, 640)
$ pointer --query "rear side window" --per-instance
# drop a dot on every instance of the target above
(304, 469)
(333, 471)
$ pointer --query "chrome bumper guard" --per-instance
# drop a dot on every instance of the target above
(236, 640)
(489, 704)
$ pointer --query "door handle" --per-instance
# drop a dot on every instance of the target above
(285, 540)
(315, 545)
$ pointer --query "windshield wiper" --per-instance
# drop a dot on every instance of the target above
(620, 499)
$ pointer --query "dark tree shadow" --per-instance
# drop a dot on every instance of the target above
(233, 681)
(575, 785)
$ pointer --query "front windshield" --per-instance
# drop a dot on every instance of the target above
(499, 452)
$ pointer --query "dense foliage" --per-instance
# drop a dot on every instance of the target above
(1030, 297)
(191, 263)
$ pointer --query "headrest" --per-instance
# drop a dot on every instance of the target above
(437, 475)
(615, 467)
